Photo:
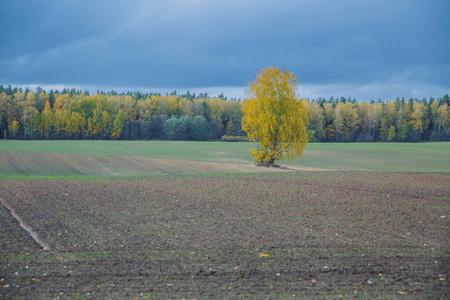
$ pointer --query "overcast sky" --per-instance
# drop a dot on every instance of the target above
(363, 49)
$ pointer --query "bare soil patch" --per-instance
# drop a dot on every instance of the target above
(262, 235)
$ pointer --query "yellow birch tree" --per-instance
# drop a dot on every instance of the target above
(274, 118)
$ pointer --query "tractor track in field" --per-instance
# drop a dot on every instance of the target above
(25, 226)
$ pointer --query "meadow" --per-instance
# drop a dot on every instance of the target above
(199, 220)
(24, 159)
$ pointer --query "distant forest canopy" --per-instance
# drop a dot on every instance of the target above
(73, 114)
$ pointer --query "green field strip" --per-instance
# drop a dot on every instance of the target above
(78, 159)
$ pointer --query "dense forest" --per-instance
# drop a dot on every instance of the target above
(73, 114)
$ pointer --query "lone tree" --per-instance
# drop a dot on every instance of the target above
(274, 118)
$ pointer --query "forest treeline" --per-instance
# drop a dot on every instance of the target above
(73, 114)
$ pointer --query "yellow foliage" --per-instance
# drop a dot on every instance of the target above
(58, 104)
(418, 115)
(274, 117)
(216, 108)
(47, 106)
(14, 127)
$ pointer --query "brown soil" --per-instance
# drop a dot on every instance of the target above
(308, 234)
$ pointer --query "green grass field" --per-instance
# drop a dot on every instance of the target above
(19, 159)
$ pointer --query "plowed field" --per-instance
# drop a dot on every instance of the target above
(263, 235)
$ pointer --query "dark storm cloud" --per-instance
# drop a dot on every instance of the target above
(189, 44)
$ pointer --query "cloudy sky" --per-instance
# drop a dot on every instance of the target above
(363, 49)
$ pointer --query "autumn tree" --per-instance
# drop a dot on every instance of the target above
(61, 119)
(418, 117)
(391, 134)
(316, 120)
(45, 121)
(150, 107)
(14, 127)
(274, 118)
(118, 123)
(27, 108)
(75, 124)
